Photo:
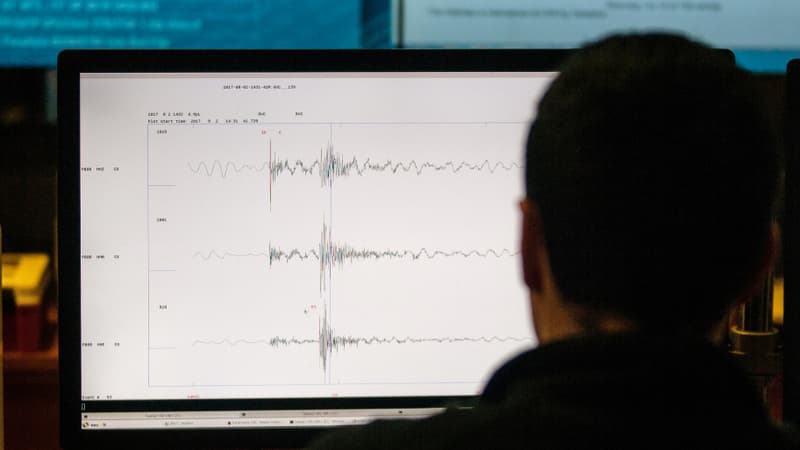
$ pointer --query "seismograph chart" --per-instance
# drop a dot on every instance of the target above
(324, 237)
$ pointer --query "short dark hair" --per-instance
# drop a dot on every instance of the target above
(654, 168)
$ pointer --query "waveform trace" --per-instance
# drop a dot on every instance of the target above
(331, 254)
(221, 169)
(330, 165)
(328, 341)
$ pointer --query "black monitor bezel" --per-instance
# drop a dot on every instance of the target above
(71, 64)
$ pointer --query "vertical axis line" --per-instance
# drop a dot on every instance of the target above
(148, 253)
(269, 176)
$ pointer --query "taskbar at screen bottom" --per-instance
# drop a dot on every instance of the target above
(246, 419)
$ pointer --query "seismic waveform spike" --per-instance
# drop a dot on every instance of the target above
(330, 165)
(328, 341)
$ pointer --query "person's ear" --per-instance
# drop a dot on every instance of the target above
(532, 240)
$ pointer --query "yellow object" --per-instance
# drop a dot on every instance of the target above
(27, 274)
(777, 301)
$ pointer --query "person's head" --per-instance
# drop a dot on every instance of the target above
(651, 175)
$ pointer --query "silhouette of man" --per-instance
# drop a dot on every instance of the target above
(651, 175)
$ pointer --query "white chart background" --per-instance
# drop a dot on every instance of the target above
(218, 287)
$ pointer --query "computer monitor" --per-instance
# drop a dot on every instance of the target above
(764, 36)
(791, 248)
(256, 246)
(33, 32)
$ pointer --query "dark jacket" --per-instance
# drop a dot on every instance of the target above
(613, 392)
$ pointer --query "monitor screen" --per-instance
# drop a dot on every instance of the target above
(32, 32)
(763, 35)
(263, 245)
